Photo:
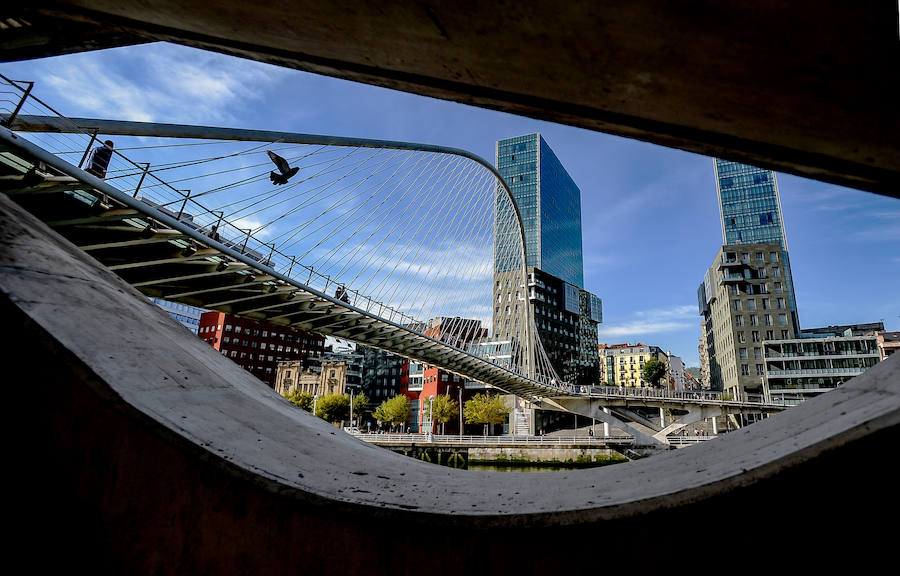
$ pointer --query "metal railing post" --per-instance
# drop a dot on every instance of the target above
(88, 149)
(141, 181)
(183, 204)
(9, 121)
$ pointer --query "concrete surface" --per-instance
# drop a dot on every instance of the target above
(805, 87)
(136, 448)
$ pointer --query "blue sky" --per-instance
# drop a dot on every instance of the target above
(649, 214)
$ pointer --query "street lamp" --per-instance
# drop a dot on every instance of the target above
(431, 413)
(460, 411)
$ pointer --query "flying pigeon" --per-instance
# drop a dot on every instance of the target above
(283, 167)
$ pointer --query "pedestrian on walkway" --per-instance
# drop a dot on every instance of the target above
(98, 160)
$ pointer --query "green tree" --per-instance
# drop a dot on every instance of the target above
(394, 410)
(445, 409)
(653, 371)
(301, 400)
(333, 407)
(485, 409)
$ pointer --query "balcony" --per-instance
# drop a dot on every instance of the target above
(732, 264)
(816, 372)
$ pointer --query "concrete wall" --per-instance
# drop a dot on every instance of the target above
(133, 447)
(543, 454)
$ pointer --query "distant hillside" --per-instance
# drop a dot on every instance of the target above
(693, 371)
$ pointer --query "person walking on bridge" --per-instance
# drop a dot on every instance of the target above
(98, 160)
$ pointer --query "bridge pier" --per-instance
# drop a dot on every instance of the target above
(593, 408)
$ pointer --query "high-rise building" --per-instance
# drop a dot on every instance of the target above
(750, 212)
(743, 302)
(565, 314)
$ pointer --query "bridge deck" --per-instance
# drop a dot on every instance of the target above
(165, 257)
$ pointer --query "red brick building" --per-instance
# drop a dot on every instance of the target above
(258, 346)
(425, 381)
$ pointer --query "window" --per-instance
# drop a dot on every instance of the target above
(745, 370)
(781, 303)
(759, 256)
(738, 320)
(762, 273)
(228, 327)
(784, 334)
(759, 370)
(768, 319)
(782, 319)
(742, 353)
(757, 353)
(773, 257)
(778, 287)
(754, 320)
(755, 335)
(770, 335)
(737, 305)
(751, 304)
(766, 304)
(740, 337)
(776, 273)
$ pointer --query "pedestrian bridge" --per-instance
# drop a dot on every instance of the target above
(332, 252)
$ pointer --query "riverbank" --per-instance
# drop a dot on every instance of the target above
(549, 456)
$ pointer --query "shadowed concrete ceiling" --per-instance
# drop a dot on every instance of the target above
(803, 87)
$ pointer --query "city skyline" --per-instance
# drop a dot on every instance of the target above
(649, 213)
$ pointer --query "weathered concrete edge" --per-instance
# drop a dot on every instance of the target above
(866, 407)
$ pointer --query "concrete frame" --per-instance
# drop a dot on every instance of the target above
(800, 87)
(124, 470)
(144, 451)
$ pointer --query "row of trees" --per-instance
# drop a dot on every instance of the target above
(331, 407)
(481, 409)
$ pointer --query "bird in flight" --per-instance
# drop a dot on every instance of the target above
(283, 167)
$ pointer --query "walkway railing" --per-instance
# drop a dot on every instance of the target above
(506, 440)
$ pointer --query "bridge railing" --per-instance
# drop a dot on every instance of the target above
(456, 439)
(687, 395)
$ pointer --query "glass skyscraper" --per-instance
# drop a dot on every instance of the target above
(550, 204)
(750, 211)
(565, 315)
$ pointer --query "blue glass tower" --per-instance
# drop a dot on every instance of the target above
(750, 210)
(550, 204)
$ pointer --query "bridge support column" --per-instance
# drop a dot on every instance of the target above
(662, 417)
(593, 409)
(606, 425)
(715, 428)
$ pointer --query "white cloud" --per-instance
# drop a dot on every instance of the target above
(651, 322)
(157, 83)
